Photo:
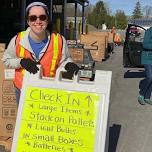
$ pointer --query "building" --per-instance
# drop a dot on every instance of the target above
(13, 15)
(146, 23)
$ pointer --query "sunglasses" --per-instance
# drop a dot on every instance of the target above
(33, 18)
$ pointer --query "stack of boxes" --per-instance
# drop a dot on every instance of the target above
(76, 52)
(8, 107)
(98, 43)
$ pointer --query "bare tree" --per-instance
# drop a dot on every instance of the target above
(147, 11)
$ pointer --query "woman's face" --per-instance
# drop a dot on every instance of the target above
(37, 19)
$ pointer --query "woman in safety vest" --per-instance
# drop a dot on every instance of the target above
(37, 46)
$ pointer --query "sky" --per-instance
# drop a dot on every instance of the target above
(126, 5)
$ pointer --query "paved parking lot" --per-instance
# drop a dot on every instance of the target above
(130, 122)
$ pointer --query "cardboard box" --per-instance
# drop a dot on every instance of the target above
(101, 34)
(77, 54)
(98, 55)
(2, 47)
(6, 142)
(8, 107)
(109, 36)
(96, 44)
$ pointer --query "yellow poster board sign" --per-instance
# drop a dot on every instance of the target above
(58, 120)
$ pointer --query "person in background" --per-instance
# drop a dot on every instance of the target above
(113, 31)
(104, 27)
(117, 39)
(146, 60)
(36, 46)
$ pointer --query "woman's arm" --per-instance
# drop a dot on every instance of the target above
(66, 57)
(9, 58)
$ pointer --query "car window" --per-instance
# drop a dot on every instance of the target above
(136, 34)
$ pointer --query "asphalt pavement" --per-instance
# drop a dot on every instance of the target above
(130, 122)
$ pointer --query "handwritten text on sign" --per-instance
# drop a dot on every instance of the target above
(58, 121)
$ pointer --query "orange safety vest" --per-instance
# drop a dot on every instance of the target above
(49, 61)
(117, 38)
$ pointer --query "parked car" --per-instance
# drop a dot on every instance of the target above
(133, 46)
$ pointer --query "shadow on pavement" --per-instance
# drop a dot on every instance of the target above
(134, 74)
(114, 133)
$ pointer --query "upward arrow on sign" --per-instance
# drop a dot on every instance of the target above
(89, 100)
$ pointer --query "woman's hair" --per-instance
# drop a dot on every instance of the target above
(37, 4)
(49, 27)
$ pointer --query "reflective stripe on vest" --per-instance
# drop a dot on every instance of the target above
(55, 55)
(49, 61)
(21, 49)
